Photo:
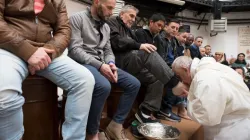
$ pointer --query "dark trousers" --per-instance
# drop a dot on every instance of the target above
(152, 71)
(102, 89)
(170, 99)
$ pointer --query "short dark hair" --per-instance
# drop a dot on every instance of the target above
(243, 71)
(172, 20)
(241, 54)
(157, 17)
(198, 37)
(207, 46)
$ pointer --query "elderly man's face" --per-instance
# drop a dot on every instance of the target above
(128, 17)
(184, 75)
(202, 51)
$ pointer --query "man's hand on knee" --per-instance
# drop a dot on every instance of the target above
(39, 60)
(107, 72)
(148, 47)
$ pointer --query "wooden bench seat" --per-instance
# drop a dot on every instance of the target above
(40, 109)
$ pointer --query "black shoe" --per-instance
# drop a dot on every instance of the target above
(141, 119)
(135, 131)
(167, 114)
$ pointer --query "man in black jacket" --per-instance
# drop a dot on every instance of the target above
(141, 60)
(148, 33)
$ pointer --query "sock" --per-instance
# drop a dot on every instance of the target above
(144, 115)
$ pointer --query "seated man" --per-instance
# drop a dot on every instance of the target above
(189, 41)
(32, 41)
(141, 60)
(194, 48)
(202, 52)
(218, 98)
(169, 47)
(241, 72)
(90, 46)
(208, 51)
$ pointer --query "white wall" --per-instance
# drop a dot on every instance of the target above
(74, 6)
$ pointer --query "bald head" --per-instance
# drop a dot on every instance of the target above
(181, 62)
(189, 40)
(103, 9)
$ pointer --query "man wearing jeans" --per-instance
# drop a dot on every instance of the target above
(33, 37)
(90, 46)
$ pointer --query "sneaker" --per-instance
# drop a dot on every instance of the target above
(135, 131)
(168, 115)
(141, 119)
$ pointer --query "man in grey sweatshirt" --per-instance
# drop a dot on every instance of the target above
(90, 46)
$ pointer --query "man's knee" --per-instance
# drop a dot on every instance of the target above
(104, 87)
(10, 102)
(85, 79)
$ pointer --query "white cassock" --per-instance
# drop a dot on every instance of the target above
(219, 100)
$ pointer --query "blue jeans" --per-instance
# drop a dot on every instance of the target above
(102, 89)
(65, 73)
(170, 99)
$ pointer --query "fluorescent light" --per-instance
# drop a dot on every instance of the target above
(176, 2)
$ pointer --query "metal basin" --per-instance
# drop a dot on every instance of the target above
(158, 131)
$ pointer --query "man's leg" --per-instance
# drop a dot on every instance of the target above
(79, 84)
(101, 92)
(181, 103)
(136, 60)
(131, 87)
(12, 73)
(166, 108)
(153, 96)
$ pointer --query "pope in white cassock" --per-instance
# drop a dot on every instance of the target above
(218, 98)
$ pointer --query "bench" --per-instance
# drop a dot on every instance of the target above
(40, 109)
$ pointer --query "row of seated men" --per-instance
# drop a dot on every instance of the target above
(101, 50)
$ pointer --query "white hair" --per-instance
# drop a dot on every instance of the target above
(182, 62)
(128, 7)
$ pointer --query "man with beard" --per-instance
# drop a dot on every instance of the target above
(90, 46)
(134, 57)
(208, 51)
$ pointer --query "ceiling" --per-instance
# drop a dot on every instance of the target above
(147, 7)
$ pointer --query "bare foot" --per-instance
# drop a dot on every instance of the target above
(182, 112)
